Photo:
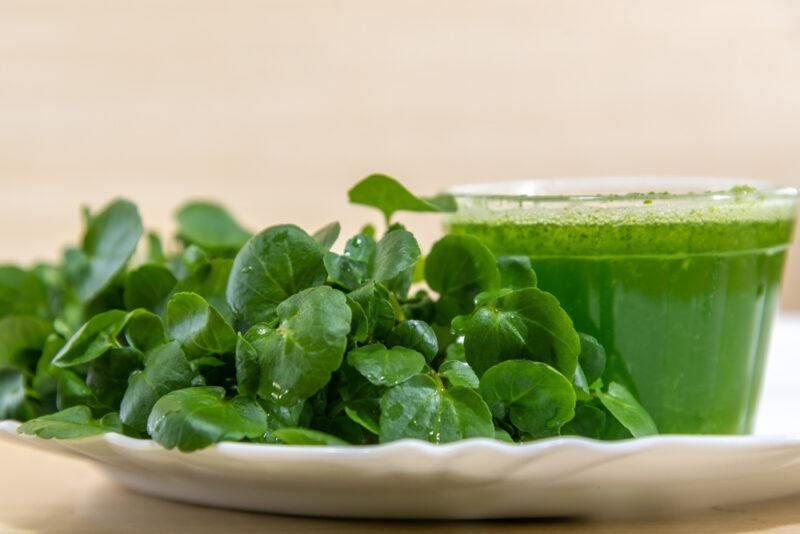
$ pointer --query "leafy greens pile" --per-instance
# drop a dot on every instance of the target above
(274, 338)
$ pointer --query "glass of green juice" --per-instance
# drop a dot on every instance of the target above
(680, 285)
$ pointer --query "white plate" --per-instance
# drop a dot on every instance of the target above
(473, 478)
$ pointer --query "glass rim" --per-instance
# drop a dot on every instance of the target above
(662, 188)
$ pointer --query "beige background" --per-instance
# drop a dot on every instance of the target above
(276, 107)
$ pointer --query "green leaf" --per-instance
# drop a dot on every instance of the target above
(21, 292)
(582, 391)
(397, 251)
(516, 272)
(459, 373)
(144, 330)
(588, 422)
(282, 417)
(93, 339)
(386, 367)
(395, 254)
(44, 379)
(249, 348)
(110, 241)
(627, 410)
(193, 258)
(365, 413)
(592, 358)
(420, 408)
(306, 436)
(210, 281)
(194, 418)
(522, 324)
(75, 422)
(271, 267)
(210, 226)
(535, 397)
(327, 235)
(417, 335)
(21, 339)
(148, 287)
(455, 352)
(388, 195)
(12, 395)
(165, 369)
(71, 390)
(155, 250)
(502, 435)
(308, 345)
(108, 375)
(375, 301)
(359, 324)
(198, 327)
(458, 268)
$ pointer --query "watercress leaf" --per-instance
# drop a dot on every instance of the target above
(535, 397)
(359, 325)
(419, 307)
(455, 352)
(148, 286)
(421, 408)
(211, 227)
(198, 326)
(194, 418)
(588, 422)
(327, 235)
(502, 435)
(388, 195)
(516, 272)
(109, 242)
(281, 417)
(22, 292)
(249, 349)
(417, 335)
(307, 346)
(144, 330)
(155, 250)
(193, 258)
(526, 323)
(376, 302)
(386, 367)
(75, 422)
(592, 358)
(210, 281)
(582, 391)
(306, 436)
(12, 395)
(345, 271)
(93, 339)
(71, 390)
(397, 252)
(21, 339)
(271, 267)
(459, 373)
(165, 369)
(365, 413)
(107, 376)
(443, 201)
(44, 379)
(627, 410)
(458, 268)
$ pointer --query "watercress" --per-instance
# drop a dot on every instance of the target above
(281, 337)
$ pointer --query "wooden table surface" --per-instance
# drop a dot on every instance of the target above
(44, 492)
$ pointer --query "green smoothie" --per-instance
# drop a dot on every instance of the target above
(680, 291)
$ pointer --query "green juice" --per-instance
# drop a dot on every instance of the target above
(682, 299)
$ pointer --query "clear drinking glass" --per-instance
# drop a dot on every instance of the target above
(679, 286)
